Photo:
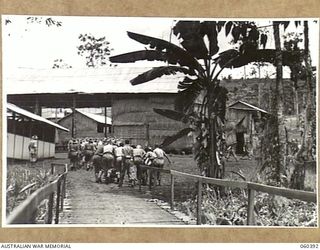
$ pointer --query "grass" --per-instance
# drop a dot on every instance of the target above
(185, 188)
(231, 210)
(20, 176)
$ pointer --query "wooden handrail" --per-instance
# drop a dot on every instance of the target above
(161, 170)
(24, 213)
(285, 192)
(218, 182)
(251, 187)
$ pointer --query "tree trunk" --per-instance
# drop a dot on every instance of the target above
(296, 103)
(276, 108)
(309, 94)
(213, 170)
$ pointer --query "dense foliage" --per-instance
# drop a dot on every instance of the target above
(201, 97)
(95, 50)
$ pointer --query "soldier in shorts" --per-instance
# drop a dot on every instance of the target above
(107, 160)
(158, 162)
(138, 154)
(97, 163)
(119, 159)
(74, 154)
(88, 153)
(149, 158)
(127, 164)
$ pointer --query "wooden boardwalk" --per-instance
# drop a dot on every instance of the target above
(90, 203)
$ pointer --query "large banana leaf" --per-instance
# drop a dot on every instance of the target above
(192, 38)
(210, 28)
(172, 114)
(170, 139)
(175, 54)
(185, 83)
(185, 98)
(149, 55)
(158, 72)
(193, 32)
(263, 55)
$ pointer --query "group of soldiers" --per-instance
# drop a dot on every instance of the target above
(113, 158)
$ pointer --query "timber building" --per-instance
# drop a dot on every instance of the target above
(132, 106)
(21, 126)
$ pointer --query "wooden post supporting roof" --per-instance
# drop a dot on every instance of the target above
(73, 134)
(105, 122)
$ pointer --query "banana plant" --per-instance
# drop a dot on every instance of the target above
(197, 57)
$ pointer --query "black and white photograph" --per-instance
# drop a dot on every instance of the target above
(159, 122)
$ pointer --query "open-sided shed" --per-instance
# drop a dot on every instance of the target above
(249, 115)
(132, 106)
(21, 125)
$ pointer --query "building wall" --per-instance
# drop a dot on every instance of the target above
(133, 118)
(235, 115)
(84, 127)
(17, 147)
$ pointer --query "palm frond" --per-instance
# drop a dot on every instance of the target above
(192, 38)
(210, 28)
(185, 83)
(186, 98)
(149, 55)
(262, 55)
(172, 114)
(158, 72)
(170, 139)
(175, 54)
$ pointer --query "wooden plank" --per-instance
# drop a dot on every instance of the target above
(218, 182)
(56, 221)
(23, 212)
(199, 202)
(191, 176)
(150, 174)
(139, 182)
(225, 183)
(50, 209)
(63, 183)
(250, 209)
(161, 170)
(172, 192)
(119, 123)
(289, 193)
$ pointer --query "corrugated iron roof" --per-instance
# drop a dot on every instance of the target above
(97, 118)
(252, 107)
(87, 80)
(33, 116)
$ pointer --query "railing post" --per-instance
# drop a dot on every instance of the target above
(250, 211)
(155, 175)
(52, 168)
(63, 191)
(172, 192)
(139, 181)
(64, 182)
(150, 178)
(199, 201)
(50, 209)
(58, 202)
